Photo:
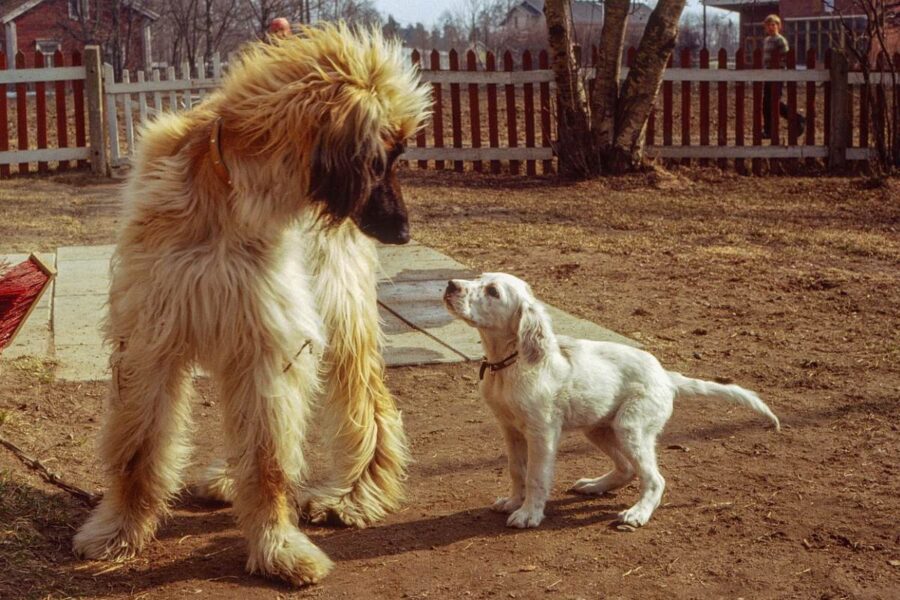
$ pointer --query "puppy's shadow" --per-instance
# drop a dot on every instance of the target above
(433, 533)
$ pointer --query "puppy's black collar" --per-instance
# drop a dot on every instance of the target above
(497, 366)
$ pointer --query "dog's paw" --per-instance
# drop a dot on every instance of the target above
(589, 487)
(506, 505)
(215, 484)
(323, 508)
(105, 536)
(636, 516)
(524, 519)
(290, 555)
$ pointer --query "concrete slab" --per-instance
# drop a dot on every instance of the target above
(67, 253)
(419, 304)
(419, 263)
(404, 346)
(76, 320)
(566, 324)
(82, 277)
(82, 363)
(418, 330)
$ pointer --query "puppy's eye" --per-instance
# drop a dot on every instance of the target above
(492, 290)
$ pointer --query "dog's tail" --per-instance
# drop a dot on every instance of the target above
(687, 386)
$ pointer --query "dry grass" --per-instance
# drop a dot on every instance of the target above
(787, 285)
(64, 210)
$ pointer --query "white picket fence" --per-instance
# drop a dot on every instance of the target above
(164, 91)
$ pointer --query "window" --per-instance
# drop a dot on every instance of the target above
(79, 9)
(47, 48)
(828, 6)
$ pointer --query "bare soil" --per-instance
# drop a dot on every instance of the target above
(790, 287)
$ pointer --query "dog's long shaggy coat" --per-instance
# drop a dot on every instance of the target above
(266, 281)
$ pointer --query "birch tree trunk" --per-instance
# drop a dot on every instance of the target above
(608, 72)
(643, 82)
(609, 138)
(577, 158)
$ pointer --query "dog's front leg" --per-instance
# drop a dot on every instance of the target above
(359, 418)
(542, 444)
(265, 413)
(517, 456)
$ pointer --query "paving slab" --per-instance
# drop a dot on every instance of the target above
(405, 346)
(418, 330)
(419, 303)
(67, 253)
(415, 262)
(76, 320)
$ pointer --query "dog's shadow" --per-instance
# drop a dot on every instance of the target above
(218, 551)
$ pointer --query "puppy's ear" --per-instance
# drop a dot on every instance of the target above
(344, 160)
(535, 334)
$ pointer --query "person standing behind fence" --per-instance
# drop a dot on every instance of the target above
(279, 27)
(775, 44)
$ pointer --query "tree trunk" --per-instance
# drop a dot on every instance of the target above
(608, 72)
(643, 83)
(612, 138)
(577, 157)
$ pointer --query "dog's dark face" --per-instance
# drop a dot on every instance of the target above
(365, 188)
(384, 215)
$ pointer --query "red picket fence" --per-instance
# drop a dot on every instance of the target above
(31, 133)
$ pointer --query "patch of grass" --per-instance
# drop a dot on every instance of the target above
(35, 367)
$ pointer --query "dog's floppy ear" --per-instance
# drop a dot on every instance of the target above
(535, 334)
(343, 162)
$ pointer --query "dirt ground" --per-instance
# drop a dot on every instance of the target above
(787, 286)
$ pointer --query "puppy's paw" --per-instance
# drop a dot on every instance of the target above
(506, 505)
(523, 518)
(636, 516)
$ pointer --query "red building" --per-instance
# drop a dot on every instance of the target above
(807, 23)
(121, 29)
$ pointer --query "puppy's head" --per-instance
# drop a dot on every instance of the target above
(498, 305)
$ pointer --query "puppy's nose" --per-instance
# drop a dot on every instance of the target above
(452, 287)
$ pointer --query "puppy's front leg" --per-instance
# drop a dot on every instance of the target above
(542, 445)
(517, 455)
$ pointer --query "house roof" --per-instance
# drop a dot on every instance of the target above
(10, 10)
(738, 4)
(582, 12)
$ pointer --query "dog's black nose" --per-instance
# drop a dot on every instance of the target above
(452, 287)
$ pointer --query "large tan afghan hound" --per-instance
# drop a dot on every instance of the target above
(246, 250)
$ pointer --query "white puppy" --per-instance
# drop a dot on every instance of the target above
(539, 384)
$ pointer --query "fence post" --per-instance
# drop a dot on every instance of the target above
(839, 124)
(94, 92)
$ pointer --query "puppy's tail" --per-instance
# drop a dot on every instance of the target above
(687, 386)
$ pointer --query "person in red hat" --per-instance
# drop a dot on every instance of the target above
(280, 27)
